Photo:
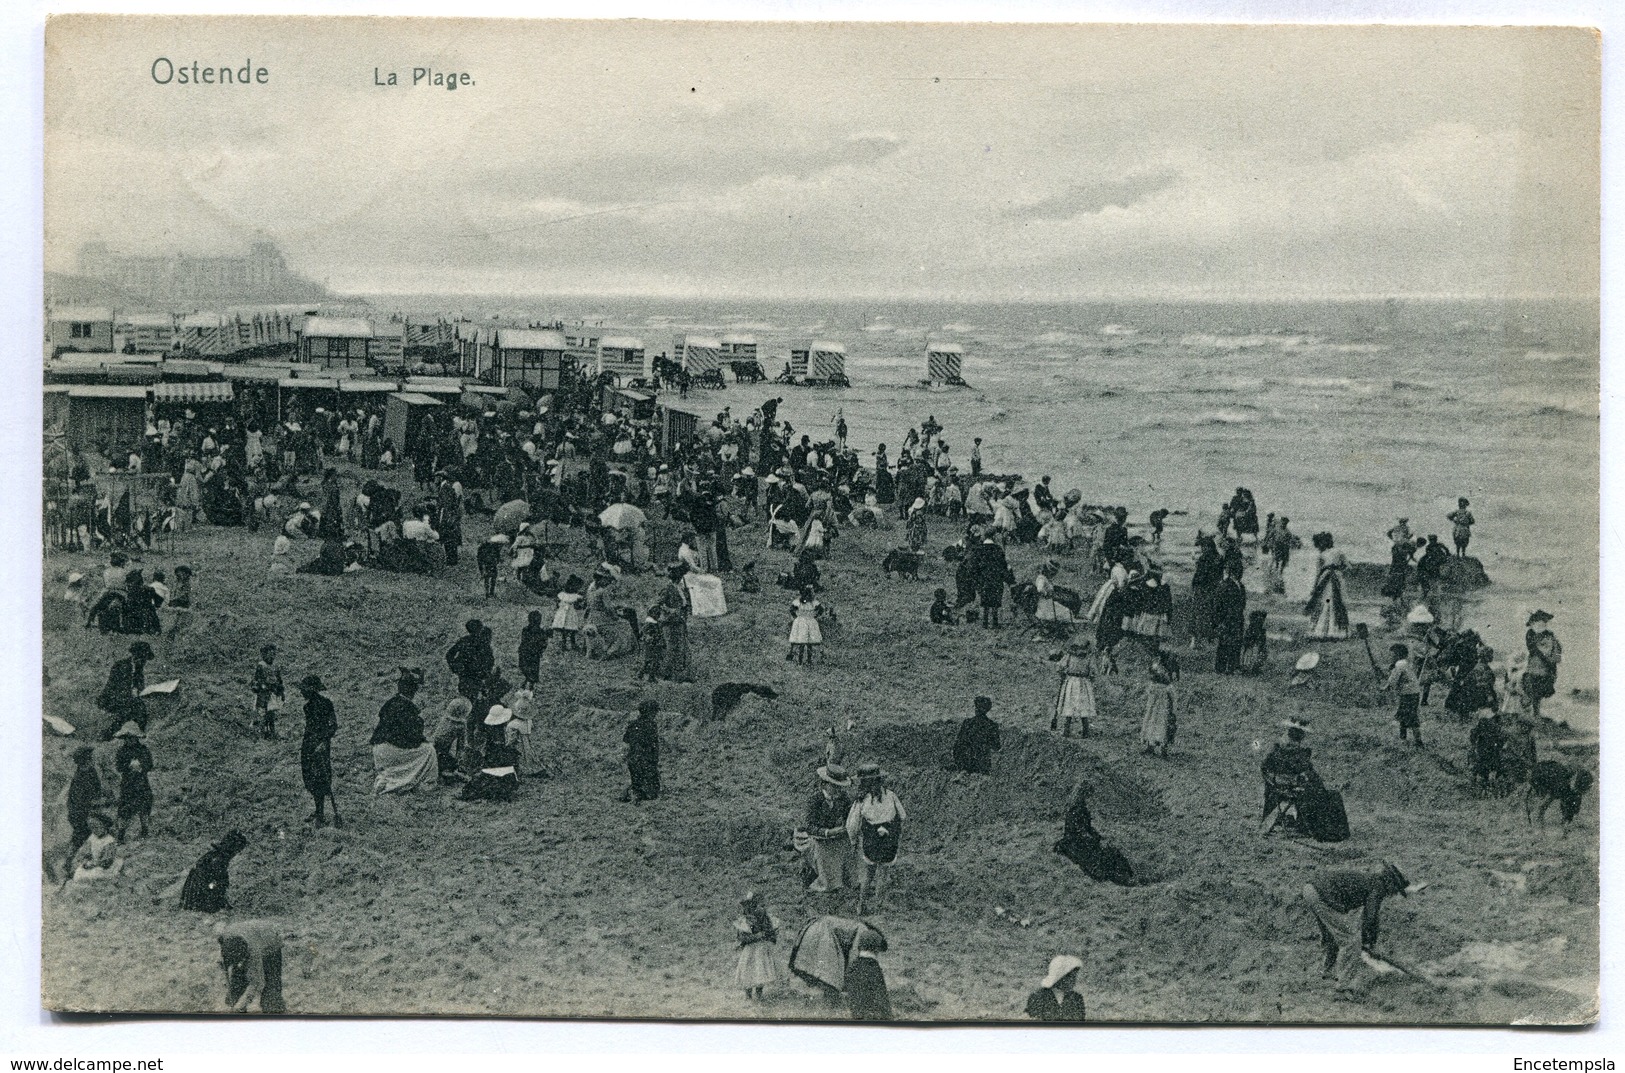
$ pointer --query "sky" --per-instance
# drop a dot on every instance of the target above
(960, 162)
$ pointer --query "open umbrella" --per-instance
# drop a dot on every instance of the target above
(622, 516)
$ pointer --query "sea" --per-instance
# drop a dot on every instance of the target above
(1345, 416)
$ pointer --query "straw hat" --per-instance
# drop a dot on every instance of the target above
(497, 538)
(1059, 966)
(869, 770)
(497, 716)
(835, 775)
(1421, 616)
(129, 730)
(1295, 724)
(1308, 662)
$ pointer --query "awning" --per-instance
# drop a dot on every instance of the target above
(193, 391)
(412, 398)
(309, 385)
(262, 373)
(107, 391)
(349, 386)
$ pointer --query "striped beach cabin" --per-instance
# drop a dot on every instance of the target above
(697, 354)
(819, 362)
(625, 357)
(944, 363)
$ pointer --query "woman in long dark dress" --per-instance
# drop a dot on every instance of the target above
(133, 761)
(1230, 623)
(1205, 580)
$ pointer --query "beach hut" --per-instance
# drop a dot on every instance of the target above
(700, 356)
(210, 335)
(145, 333)
(337, 341)
(529, 357)
(625, 357)
(819, 362)
(110, 416)
(80, 328)
(402, 415)
(582, 341)
(943, 363)
(676, 427)
(634, 405)
(737, 346)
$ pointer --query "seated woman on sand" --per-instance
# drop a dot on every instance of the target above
(402, 759)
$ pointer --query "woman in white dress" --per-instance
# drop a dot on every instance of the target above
(805, 635)
(1326, 609)
(1076, 699)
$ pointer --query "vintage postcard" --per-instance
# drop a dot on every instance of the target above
(811, 522)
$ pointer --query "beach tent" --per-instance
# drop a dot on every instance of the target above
(819, 362)
(529, 357)
(697, 354)
(80, 328)
(624, 356)
(943, 361)
(402, 416)
(106, 415)
(739, 347)
(337, 341)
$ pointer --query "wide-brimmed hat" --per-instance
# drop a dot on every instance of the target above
(1307, 662)
(870, 770)
(497, 538)
(141, 650)
(835, 775)
(305, 506)
(311, 682)
(76, 577)
(747, 472)
(497, 716)
(129, 730)
(1419, 616)
(1539, 616)
(1295, 724)
(1059, 966)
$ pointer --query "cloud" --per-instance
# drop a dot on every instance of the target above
(1087, 199)
(704, 165)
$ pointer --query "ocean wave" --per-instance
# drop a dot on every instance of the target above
(1058, 338)
(1333, 384)
(1556, 355)
(957, 326)
(1566, 409)
(1209, 341)
(1245, 415)
(1118, 329)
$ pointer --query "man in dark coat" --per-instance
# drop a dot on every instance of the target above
(471, 659)
(992, 572)
(978, 740)
(121, 696)
(642, 740)
(1230, 622)
(316, 748)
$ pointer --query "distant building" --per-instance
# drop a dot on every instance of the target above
(261, 276)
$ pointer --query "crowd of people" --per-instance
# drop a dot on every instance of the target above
(575, 498)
